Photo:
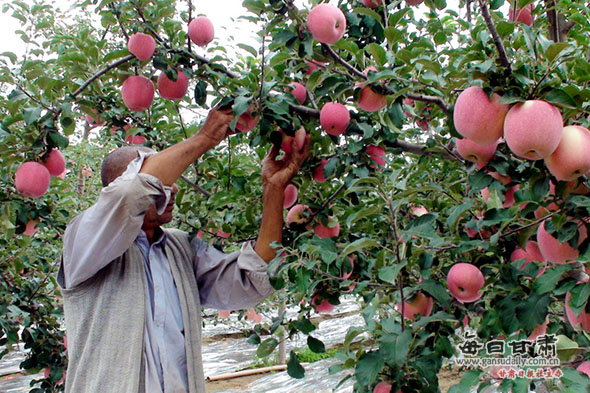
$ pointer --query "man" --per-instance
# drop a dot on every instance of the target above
(133, 291)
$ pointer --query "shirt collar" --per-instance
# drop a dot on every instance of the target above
(159, 235)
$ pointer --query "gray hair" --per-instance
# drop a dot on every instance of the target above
(116, 162)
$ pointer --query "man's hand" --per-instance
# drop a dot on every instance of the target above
(216, 127)
(276, 175)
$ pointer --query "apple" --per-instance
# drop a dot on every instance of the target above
(287, 142)
(247, 121)
(297, 214)
(320, 305)
(540, 330)
(326, 23)
(32, 179)
(554, 251)
(372, 3)
(31, 228)
(299, 91)
(135, 139)
(318, 172)
(95, 121)
(577, 321)
(290, 196)
(478, 118)
(346, 275)
(533, 129)
(418, 211)
(571, 159)
(141, 46)
(223, 314)
(138, 93)
(253, 316)
(331, 230)
(222, 234)
(371, 101)
(382, 387)
(126, 128)
(200, 31)
(172, 90)
(377, 154)
(414, 2)
(421, 305)
(525, 15)
(314, 65)
(55, 162)
(475, 152)
(334, 118)
(584, 367)
(465, 281)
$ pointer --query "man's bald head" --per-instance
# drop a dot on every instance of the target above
(116, 162)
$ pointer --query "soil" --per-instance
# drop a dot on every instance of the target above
(446, 379)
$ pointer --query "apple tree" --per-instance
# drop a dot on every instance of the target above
(446, 185)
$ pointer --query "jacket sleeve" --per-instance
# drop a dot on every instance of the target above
(109, 227)
(233, 281)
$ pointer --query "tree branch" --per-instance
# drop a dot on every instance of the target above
(101, 73)
(196, 187)
(497, 40)
(340, 60)
(435, 100)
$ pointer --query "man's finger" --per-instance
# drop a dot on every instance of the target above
(273, 153)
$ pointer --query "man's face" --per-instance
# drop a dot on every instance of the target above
(153, 220)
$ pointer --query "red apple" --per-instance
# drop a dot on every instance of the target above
(540, 330)
(290, 196)
(584, 367)
(32, 179)
(55, 162)
(320, 305)
(126, 128)
(95, 121)
(371, 101)
(331, 230)
(418, 211)
(297, 214)
(334, 118)
(571, 159)
(201, 31)
(581, 321)
(474, 152)
(508, 198)
(299, 91)
(326, 23)
(141, 46)
(138, 93)
(478, 118)
(372, 3)
(318, 172)
(525, 15)
(554, 251)
(533, 129)
(382, 387)
(31, 228)
(314, 65)
(173, 90)
(223, 314)
(414, 2)
(421, 305)
(135, 139)
(222, 234)
(287, 143)
(377, 154)
(253, 316)
(247, 121)
(465, 282)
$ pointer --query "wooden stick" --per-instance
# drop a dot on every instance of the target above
(245, 373)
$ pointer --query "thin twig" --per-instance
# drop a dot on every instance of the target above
(326, 203)
(190, 17)
(180, 119)
(340, 60)
(117, 15)
(196, 187)
(101, 73)
(21, 88)
(261, 75)
(400, 279)
(531, 224)
(435, 100)
(497, 40)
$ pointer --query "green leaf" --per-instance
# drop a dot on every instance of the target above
(68, 124)
(368, 12)
(378, 53)
(389, 273)
(548, 281)
(31, 115)
(437, 291)
(505, 28)
(555, 49)
(267, 347)
(294, 368)
(304, 326)
(533, 311)
(560, 98)
(201, 93)
(362, 213)
(396, 347)
(58, 140)
(279, 58)
(367, 368)
(579, 297)
(470, 378)
(315, 345)
(359, 245)
(457, 212)
(248, 49)
(10, 55)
